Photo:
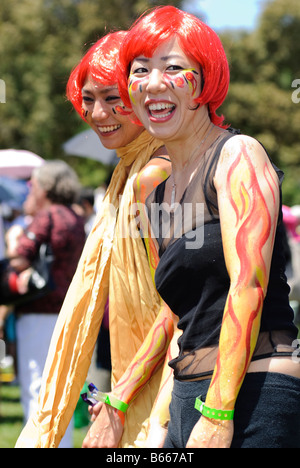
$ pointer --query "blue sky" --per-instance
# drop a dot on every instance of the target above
(224, 14)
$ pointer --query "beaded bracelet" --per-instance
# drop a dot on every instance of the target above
(213, 413)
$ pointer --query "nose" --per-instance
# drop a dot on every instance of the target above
(156, 83)
(100, 111)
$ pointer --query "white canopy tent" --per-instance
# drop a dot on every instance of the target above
(87, 145)
(18, 164)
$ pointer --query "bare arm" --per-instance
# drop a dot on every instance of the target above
(107, 429)
(248, 194)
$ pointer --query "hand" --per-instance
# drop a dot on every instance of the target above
(95, 410)
(211, 433)
(151, 435)
(23, 281)
(107, 429)
(19, 264)
(156, 434)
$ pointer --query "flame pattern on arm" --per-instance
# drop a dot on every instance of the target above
(150, 356)
(250, 199)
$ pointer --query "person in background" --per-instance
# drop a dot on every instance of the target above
(114, 264)
(86, 207)
(291, 218)
(2, 237)
(54, 188)
(3, 309)
(100, 370)
(14, 223)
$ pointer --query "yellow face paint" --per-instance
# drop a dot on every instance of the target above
(185, 77)
(135, 86)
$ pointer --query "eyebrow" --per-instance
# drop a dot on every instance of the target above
(102, 91)
(164, 58)
(170, 57)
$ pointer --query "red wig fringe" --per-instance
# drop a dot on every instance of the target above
(198, 41)
(99, 63)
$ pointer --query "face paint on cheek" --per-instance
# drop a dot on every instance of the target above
(186, 77)
(189, 76)
(84, 113)
(175, 82)
(121, 109)
(135, 86)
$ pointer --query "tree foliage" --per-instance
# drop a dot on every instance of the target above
(42, 40)
(264, 64)
(40, 43)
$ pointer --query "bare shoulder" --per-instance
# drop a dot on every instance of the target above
(242, 144)
(158, 166)
(241, 151)
(152, 174)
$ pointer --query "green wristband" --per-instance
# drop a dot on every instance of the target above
(111, 401)
(211, 412)
(115, 403)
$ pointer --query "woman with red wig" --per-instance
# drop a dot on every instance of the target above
(114, 264)
(219, 237)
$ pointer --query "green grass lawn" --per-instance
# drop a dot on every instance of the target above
(11, 418)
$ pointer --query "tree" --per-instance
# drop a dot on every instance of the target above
(42, 40)
(40, 43)
(264, 64)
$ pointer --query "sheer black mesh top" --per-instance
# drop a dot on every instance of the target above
(192, 277)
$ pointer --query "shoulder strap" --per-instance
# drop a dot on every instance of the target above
(208, 183)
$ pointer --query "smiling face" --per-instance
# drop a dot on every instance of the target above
(163, 89)
(104, 113)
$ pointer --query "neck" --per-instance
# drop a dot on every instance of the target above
(182, 152)
(47, 204)
(183, 157)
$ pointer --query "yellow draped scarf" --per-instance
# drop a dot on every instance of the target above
(113, 263)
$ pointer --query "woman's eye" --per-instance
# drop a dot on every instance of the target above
(112, 98)
(87, 99)
(174, 68)
(140, 70)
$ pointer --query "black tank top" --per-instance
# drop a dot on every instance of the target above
(192, 277)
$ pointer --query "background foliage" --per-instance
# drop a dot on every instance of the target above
(42, 40)
(264, 64)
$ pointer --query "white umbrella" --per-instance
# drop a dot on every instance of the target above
(18, 164)
(87, 145)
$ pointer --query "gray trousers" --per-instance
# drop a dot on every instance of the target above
(267, 412)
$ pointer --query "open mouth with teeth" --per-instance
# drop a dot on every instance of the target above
(109, 129)
(160, 110)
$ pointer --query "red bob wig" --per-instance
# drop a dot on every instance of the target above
(99, 63)
(197, 40)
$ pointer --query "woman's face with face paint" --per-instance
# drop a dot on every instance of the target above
(103, 110)
(163, 88)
